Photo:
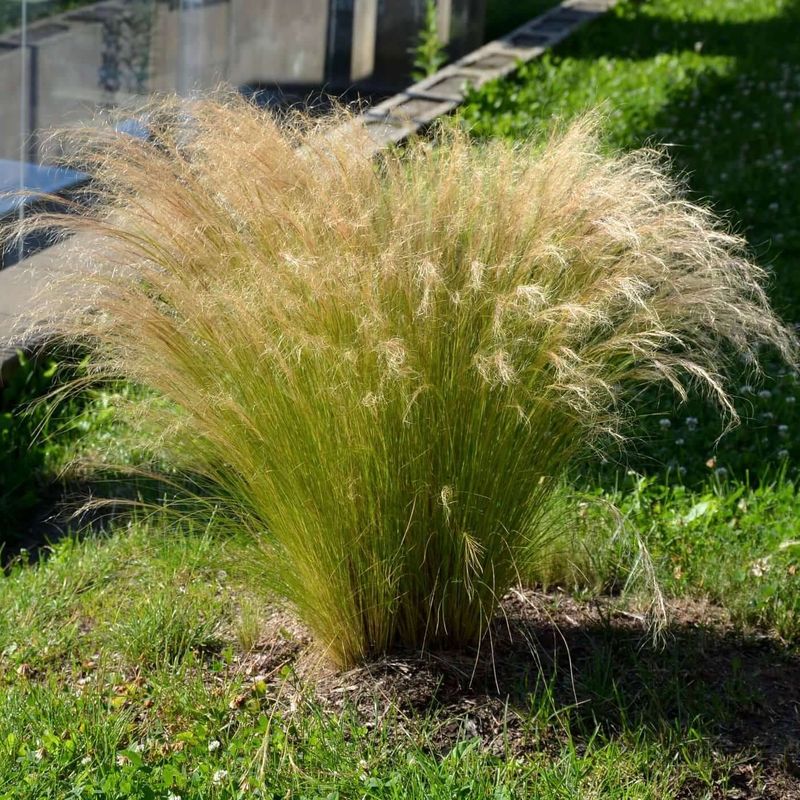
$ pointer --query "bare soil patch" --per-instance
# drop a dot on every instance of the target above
(739, 689)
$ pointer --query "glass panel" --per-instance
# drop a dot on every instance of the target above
(63, 60)
(76, 56)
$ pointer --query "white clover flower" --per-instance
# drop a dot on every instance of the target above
(783, 454)
(783, 430)
(86, 760)
(213, 745)
(791, 400)
(681, 471)
(680, 442)
(768, 416)
(691, 423)
(665, 423)
(173, 796)
(219, 776)
(721, 472)
(759, 567)
(765, 394)
(745, 388)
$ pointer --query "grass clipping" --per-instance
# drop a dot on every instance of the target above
(382, 367)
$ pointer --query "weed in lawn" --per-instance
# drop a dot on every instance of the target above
(429, 52)
(177, 620)
(733, 545)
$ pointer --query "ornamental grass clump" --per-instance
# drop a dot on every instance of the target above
(381, 368)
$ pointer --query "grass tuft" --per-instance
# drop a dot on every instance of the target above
(383, 369)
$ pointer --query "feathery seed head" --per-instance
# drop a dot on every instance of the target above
(292, 300)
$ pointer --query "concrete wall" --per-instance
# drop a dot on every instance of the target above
(365, 29)
(281, 41)
(106, 53)
(65, 75)
(11, 69)
(189, 49)
(466, 28)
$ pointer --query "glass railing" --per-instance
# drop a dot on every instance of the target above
(62, 61)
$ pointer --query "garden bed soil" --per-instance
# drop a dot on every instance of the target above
(739, 689)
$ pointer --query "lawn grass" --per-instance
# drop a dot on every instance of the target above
(158, 694)
(125, 657)
(716, 83)
(733, 545)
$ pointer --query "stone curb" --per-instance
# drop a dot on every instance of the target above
(388, 123)
(416, 107)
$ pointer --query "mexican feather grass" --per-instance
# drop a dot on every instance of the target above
(383, 367)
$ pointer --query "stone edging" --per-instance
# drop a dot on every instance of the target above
(419, 105)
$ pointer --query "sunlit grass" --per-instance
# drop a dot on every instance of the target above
(86, 707)
(715, 82)
(87, 710)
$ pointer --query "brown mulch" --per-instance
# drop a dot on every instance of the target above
(739, 689)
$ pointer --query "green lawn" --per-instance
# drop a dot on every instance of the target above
(137, 662)
(131, 667)
(716, 84)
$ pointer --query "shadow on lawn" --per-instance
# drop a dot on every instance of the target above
(62, 510)
(736, 172)
(742, 690)
(733, 134)
(559, 665)
(88, 506)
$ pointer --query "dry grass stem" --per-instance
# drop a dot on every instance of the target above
(383, 368)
